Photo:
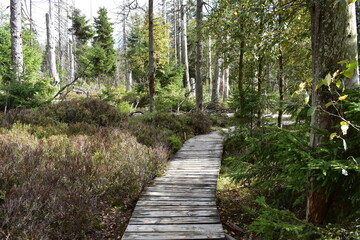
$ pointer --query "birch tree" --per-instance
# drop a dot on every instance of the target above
(16, 41)
(51, 44)
(185, 58)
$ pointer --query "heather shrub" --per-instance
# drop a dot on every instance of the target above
(56, 187)
(199, 122)
(88, 110)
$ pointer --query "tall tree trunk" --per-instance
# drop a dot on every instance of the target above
(199, 87)
(185, 59)
(281, 87)
(226, 84)
(334, 38)
(210, 66)
(178, 31)
(128, 80)
(16, 40)
(151, 57)
(215, 84)
(259, 88)
(72, 60)
(51, 45)
(164, 11)
(60, 50)
(241, 79)
(31, 21)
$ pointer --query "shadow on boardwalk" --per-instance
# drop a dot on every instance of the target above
(182, 203)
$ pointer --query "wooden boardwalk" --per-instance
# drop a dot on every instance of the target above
(182, 203)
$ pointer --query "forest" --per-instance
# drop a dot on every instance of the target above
(89, 119)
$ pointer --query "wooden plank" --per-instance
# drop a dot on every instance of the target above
(186, 207)
(176, 194)
(175, 220)
(175, 198)
(176, 213)
(182, 203)
(206, 228)
(173, 236)
(175, 203)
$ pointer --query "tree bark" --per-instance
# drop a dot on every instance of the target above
(241, 80)
(215, 84)
(51, 45)
(128, 79)
(226, 84)
(199, 87)
(334, 38)
(281, 87)
(210, 66)
(16, 40)
(259, 88)
(185, 59)
(151, 57)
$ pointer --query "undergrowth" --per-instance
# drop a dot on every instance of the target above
(274, 164)
(74, 170)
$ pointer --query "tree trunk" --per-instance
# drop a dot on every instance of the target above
(241, 80)
(215, 84)
(185, 59)
(210, 66)
(281, 87)
(51, 45)
(164, 11)
(16, 41)
(334, 38)
(128, 79)
(226, 84)
(72, 60)
(178, 31)
(151, 58)
(259, 88)
(199, 87)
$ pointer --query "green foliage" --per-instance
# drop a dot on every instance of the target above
(275, 162)
(175, 143)
(81, 28)
(272, 223)
(104, 55)
(33, 89)
(138, 51)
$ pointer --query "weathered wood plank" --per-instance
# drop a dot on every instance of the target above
(175, 203)
(175, 220)
(182, 203)
(205, 228)
(173, 236)
(176, 213)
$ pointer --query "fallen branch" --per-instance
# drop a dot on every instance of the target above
(235, 228)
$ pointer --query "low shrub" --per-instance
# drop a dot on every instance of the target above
(57, 187)
(88, 110)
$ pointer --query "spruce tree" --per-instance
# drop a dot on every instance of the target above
(104, 56)
(81, 28)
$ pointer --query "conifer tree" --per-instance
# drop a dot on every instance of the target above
(104, 56)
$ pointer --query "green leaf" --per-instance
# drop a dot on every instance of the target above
(328, 104)
(311, 111)
(352, 65)
(328, 79)
(332, 136)
(349, 73)
(343, 62)
(338, 82)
